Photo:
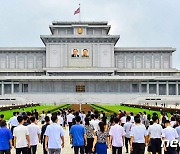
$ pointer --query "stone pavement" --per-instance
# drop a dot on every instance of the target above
(67, 149)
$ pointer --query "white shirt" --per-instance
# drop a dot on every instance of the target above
(178, 131)
(117, 132)
(70, 117)
(60, 120)
(123, 120)
(13, 121)
(34, 130)
(155, 131)
(54, 133)
(20, 133)
(170, 133)
(43, 117)
(138, 131)
(127, 128)
(95, 124)
(172, 123)
(132, 119)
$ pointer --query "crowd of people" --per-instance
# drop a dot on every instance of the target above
(90, 133)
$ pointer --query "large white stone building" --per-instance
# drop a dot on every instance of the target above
(80, 63)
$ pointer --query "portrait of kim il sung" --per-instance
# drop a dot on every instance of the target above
(85, 53)
(75, 53)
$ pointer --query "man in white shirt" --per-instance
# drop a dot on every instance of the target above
(60, 119)
(13, 123)
(127, 128)
(116, 137)
(95, 122)
(155, 133)
(21, 137)
(132, 117)
(169, 134)
(138, 137)
(34, 134)
(123, 120)
(54, 139)
(70, 118)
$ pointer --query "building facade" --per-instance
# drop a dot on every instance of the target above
(80, 63)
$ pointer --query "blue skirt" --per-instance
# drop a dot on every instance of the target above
(101, 148)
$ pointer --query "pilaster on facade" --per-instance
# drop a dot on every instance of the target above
(148, 87)
(177, 88)
(167, 88)
(157, 87)
(2, 88)
(12, 87)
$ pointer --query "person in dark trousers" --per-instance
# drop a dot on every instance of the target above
(155, 133)
(127, 127)
(138, 137)
(47, 120)
(169, 134)
(78, 136)
(21, 137)
(117, 134)
(90, 136)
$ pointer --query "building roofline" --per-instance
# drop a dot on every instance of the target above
(80, 22)
(144, 49)
(22, 49)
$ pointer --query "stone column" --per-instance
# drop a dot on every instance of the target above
(167, 88)
(177, 88)
(12, 87)
(2, 87)
(148, 87)
(157, 88)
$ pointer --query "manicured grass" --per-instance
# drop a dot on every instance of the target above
(116, 108)
(8, 113)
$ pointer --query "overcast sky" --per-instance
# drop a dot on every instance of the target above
(140, 23)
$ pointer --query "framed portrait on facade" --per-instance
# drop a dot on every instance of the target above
(85, 53)
(75, 53)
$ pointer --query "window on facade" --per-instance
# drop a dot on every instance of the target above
(80, 88)
(7, 88)
(172, 89)
(162, 89)
(152, 88)
(16, 88)
(25, 88)
(144, 88)
(135, 88)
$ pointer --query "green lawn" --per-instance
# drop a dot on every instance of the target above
(8, 113)
(116, 108)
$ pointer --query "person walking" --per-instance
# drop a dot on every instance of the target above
(101, 140)
(127, 127)
(21, 137)
(13, 122)
(90, 136)
(34, 134)
(169, 134)
(117, 134)
(70, 118)
(138, 137)
(155, 133)
(78, 136)
(5, 138)
(54, 139)
(43, 129)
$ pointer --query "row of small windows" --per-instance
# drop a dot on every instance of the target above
(159, 89)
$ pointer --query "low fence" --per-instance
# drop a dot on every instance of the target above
(155, 108)
(11, 107)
